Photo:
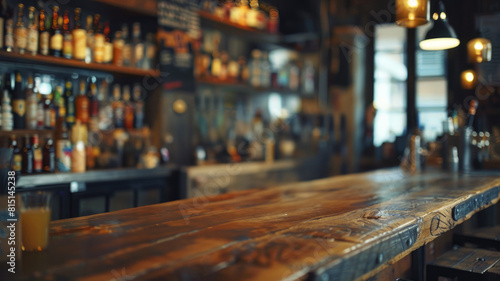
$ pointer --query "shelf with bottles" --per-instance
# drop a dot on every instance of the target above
(247, 33)
(72, 38)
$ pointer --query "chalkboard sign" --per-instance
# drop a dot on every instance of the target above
(178, 26)
(490, 71)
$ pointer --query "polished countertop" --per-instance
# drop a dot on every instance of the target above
(340, 228)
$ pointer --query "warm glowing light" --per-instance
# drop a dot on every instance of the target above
(468, 79)
(435, 16)
(443, 15)
(412, 3)
(479, 50)
(478, 46)
(439, 44)
(469, 76)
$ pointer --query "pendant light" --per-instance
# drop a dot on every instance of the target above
(479, 48)
(412, 13)
(441, 36)
(468, 79)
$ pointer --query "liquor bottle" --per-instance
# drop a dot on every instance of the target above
(255, 69)
(216, 65)
(118, 43)
(127, 47)
(78, 154)
(49, 156)
(37, 154)
(128, 109)
(63, 149)
(21, 32)
(32, 46)
(7, 117)
(308, 78)
(40, 111)
(56, 38)
(89, 56)
(105, 108)
(234, 14)
(93, 106)
(49, 112)
(19, 104)
(2, 23)
(138, 106)
(294, 75)
(44, 34)
(253, 14)
(17, 162)
(79, 38)
(27, 157)
(244, 9)
(31, 105)
(151, 50)
(69, 100)
(117, 104)
(9, 35)
(138, 57)
(59, 104)
(108, 46)
(82, 105)
(67, 37)
(99, 40)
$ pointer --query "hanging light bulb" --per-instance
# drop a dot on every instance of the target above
(479, 50)
(441, 36)
(468, 79)
(412, 13)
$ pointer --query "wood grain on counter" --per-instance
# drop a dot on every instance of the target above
(341, 228)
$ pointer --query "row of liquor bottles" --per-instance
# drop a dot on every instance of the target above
(258, 72)
(24, 106)
(73, 150)
(261, 16)
(56, 35)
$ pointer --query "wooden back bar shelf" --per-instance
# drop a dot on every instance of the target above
(342, 228)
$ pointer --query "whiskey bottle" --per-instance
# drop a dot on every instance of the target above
(32, 46)
(108, 46)
(17, 158)
(99, 40)
(59, 104)
(79, 38)
(67, 37)
(89, 56)
(19, 104)
(117, 104)
(82, 105)
(63, 150)
(21, 32)
(9, 35)
(128, 109)
(44, 34)
(2, 23)
(151, 50)
(37, 155)
(56, 38)
(118, 43)
(49, 156)
(31, 105)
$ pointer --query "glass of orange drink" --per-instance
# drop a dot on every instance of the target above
(35, 219)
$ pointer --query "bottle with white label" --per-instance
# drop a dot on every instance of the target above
(20, 33)
(9, 35)
(79, 38)
(7, 117)
(44, 34)
(89, 56)
(32, 32)
(138, 57)
(99, 40)
(31, 105)
(56, 38)
(127, 47)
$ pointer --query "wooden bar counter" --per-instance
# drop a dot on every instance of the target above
(341, 228)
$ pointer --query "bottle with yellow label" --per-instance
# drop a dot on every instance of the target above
(56, 38)
(79, 38)
(37, 154)
(19, 103)
(99, 40)
(20, 32)
(32, 46)
(18, 158)
(31, 105)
